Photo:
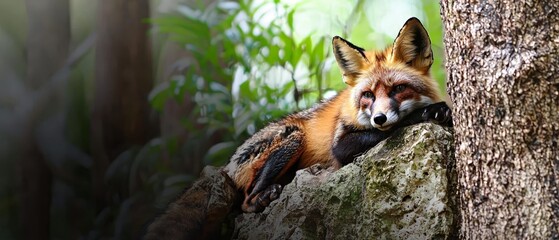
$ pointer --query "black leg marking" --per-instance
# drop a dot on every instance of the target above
(277, 160)
(352, 143)
(282, 154)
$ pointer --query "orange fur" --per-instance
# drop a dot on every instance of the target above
(320, 133)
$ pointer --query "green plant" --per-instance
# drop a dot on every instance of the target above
(246, 71)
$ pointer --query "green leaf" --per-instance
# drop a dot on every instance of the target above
(228, 5)
(218, 87)
(180, 179)
(119, 167)
(220, 152)
(317, 53)
(187, 30)
(288, 46)
(159, 95)
(290, 18)
(273, 55)
(242, 121)
(245, 91)
(306, 45)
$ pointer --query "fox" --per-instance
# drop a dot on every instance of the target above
(385, 90)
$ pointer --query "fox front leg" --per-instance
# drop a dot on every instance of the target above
(266, 160)
(350, 143)
(439, 113)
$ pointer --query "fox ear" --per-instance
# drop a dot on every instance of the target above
(350, 58)
(413, 46)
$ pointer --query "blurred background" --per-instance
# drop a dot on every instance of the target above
(110, 108)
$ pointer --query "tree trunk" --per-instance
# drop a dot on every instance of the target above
(47, 48)
(503, 78)
(123, 79)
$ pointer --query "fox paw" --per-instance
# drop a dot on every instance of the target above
(439, 113)
(263, 199)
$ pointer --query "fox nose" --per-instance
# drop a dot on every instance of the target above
(379, 118)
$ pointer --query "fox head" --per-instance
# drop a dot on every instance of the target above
(387, 85)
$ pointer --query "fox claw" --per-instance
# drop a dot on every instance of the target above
(270, 194)
(439, 113)
(263, 199)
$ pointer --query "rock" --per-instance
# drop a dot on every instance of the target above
(404, 188)
(200, 212)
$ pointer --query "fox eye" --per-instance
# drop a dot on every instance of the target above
(399, 88)
(368, 94)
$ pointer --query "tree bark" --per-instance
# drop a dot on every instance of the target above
(123, 79)
(503, 78)
(47, 48)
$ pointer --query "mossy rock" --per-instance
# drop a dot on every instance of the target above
(404, 188)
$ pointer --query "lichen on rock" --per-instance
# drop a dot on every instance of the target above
(403, 188)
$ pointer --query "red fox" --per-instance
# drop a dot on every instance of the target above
(386, 90)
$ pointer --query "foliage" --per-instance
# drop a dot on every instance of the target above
(245, 72)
